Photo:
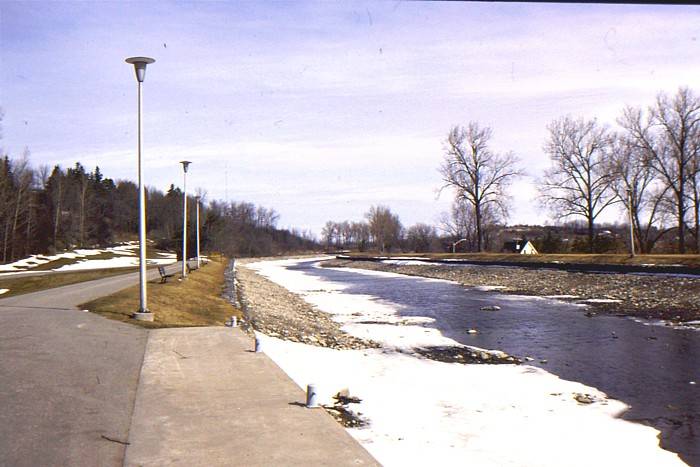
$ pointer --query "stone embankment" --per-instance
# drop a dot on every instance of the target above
(667, 297)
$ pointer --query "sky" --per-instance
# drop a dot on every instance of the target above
(322, 109)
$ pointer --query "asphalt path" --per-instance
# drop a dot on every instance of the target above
(68, 378)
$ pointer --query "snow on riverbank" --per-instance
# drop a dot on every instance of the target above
(427, 412)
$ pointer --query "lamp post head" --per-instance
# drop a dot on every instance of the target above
(140, 66)
(185, 164)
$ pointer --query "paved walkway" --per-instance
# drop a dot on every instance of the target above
(67, 378)
(70, 382)
(205, 398)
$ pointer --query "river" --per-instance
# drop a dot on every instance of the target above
(654, 369)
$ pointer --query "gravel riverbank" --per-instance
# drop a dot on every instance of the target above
(277, 312)
(672, 298)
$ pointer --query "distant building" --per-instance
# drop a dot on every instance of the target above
(523, 247)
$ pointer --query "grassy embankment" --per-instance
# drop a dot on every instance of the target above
(624, 259)
(195, 301)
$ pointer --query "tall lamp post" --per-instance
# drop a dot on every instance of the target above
(185, 164)
(199, 261)
(143, 314)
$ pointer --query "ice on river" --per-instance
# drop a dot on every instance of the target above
(424, 412)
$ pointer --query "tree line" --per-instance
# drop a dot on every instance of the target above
(381, 230)
(47, 210)
(649, 164)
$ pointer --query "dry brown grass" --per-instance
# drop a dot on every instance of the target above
(686, 260)
(195, 301)
(19, 285)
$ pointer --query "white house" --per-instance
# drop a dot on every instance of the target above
(523, 247)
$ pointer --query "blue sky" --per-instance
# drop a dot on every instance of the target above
(320, 109)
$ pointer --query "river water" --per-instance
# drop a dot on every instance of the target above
(647, 366)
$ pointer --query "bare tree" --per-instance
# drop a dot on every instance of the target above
(694, 197)
(361, 234)
(24, 179)
(478, 175)
(384, 226)
(636, 185)
(460, 224)
(329, 234)
(421, 237)
(670, 135)
(577, 183)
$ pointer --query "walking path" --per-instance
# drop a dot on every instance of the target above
(70, 382)
(206, 398)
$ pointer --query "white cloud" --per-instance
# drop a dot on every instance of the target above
(342, 104)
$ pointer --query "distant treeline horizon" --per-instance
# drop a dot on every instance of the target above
(47, 210)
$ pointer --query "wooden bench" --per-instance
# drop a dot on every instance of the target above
(163, 275)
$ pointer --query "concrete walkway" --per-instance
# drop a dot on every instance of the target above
(205, 398)
(68, 378)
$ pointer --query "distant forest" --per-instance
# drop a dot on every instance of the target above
(47, 210)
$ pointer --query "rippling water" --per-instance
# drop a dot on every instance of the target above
(648, 367)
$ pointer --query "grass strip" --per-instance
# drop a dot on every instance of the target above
(196, 301)
(26, 283)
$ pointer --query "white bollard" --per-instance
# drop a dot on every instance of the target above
(234, 321)
(258, 345)
(311, 396)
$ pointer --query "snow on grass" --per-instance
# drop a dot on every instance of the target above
(125, 257)
(424, 412)
(116, 262)
(2, 291)
(560, 297)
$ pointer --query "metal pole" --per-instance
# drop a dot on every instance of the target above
(629, 211)
(184, 226)
(143, 305)
(198, 260)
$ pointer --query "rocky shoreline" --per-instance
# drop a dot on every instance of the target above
(664, 297)
(275, 311)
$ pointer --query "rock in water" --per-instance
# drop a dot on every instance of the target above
(490, 308)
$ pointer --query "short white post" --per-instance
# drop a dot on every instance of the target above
(258, 345)
(311, 396)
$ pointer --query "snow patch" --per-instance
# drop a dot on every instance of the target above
(126, 257)
(487, 288)
(2, 291)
